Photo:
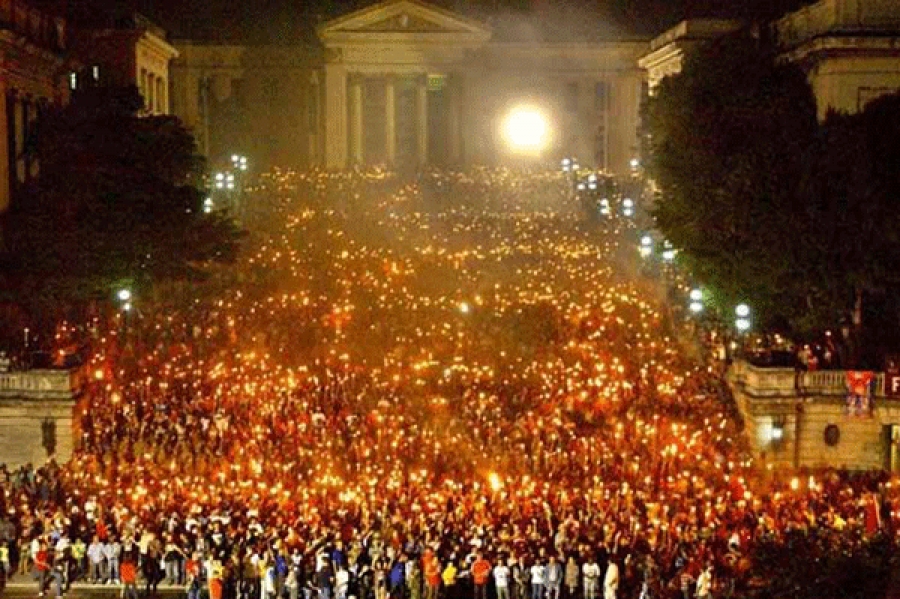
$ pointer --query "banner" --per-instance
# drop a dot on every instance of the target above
(859, 392)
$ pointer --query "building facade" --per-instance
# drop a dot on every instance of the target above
(33, 75)
(802, 420)
(667, 51)
(850, 49)
(407, 84)
(132, 51)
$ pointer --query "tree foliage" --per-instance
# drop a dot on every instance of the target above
(117, 201)
(767, 205)
(818, 565)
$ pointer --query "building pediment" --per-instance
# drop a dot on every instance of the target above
(403, 19)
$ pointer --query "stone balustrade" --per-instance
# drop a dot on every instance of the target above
(794, 422)
(40, 384)
(761, 382)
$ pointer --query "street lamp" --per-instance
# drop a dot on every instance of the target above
(696, 305)
(628, 207)
(742, 322)
(239, 162)
(646, 246)
(604, 207)
(668, 252)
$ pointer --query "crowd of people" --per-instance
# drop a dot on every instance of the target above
(454, 387)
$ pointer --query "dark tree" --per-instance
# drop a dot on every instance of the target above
(853, 251)
(729, 137)
(117, 201)
(770, 207)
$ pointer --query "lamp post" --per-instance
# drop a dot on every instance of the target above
(668, 254)
(742, 323)
(646, 248)
(696, 304)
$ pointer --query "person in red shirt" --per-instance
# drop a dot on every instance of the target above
(432, 568)
(42, 565)
(481, 571)
(128, 573)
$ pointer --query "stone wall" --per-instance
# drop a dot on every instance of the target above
(769, 402)
(31, 404)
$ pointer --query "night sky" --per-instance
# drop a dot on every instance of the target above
(293, 21)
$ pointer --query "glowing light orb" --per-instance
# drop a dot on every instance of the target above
(526, 129)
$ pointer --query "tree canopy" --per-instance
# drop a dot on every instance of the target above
(767, 205)
(117, 201)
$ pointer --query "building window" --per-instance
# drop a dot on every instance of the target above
(142, 85)
(160, 96)
(572, 97)
(95, 72)
(73, 81)
(601, 96)
(271, 88)
(237, 91)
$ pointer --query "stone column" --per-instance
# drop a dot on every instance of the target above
(390, 120)
(455, 92)
(4, 148)
(335, 116)
(356, 120)
(19, 119)
(422, 120)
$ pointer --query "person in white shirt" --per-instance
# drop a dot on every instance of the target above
(591, 575)
(611, 581)
(538, 574)
(704, 583)
(96, 560)
(501, 580)
(112, 551)
(341, 582)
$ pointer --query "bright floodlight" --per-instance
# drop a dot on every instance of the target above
(526, 129)
(647, 241)
(696, 307)
(464, 307)
(628, 203)
(742, 311)
(696, 295)
(742, 324)
(124, 295)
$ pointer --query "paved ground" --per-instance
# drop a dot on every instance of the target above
(25, 588)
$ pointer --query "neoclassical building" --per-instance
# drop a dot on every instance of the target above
(850, 49)
(408, 84)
